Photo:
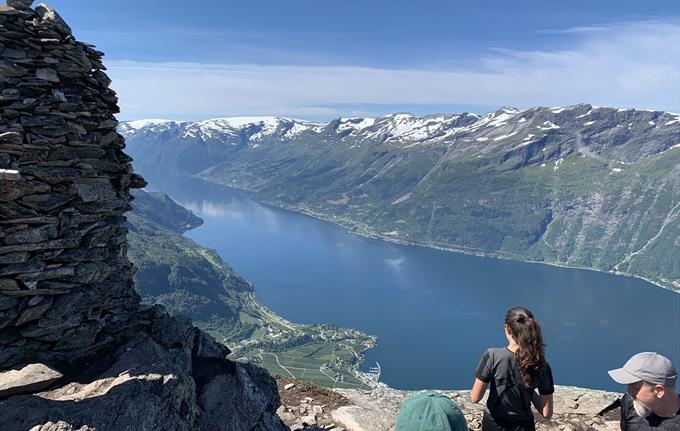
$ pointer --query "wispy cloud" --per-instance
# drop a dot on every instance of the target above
(623, 65)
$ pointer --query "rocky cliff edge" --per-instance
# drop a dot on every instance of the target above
(76, 350)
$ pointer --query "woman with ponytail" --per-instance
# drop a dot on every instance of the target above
(518, 375)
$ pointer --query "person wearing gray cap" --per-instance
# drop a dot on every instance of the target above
(651, 401)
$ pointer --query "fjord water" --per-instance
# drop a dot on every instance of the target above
(434, 312)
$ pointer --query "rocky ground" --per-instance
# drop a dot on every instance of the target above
(168, 376)
(309, 407)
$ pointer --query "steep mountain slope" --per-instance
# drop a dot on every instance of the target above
(579, 185)
(175, 271)
(193, 281)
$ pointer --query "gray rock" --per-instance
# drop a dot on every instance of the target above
(60, 426)
(51, 19)
(47, 75)
(14, 53)
(143, 386)
(308, 420)
(59, 96)
(66, 292)
(12, 190)
(33, 313)
(32, 235)
(6, 318)
(13, 258)
(148, 389)
(246, 397)
(18, 268)
(7, 302)
(205, 346)
(10, 175)
(11, 138)
(377, 410)
(20, 4)
(95, 189)
(34, 301)
(29, 379)
(10, 69)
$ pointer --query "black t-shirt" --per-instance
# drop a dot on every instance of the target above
(509, 398)
(630, 421)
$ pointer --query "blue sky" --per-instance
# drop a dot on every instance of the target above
(318, 60)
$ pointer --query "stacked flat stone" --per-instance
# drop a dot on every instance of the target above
(67, 299)
(65, 282)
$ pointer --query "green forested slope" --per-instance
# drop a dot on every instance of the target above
(579, 186)
(194, 281)
(177, 272)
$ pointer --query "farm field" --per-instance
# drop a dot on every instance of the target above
(320, 363)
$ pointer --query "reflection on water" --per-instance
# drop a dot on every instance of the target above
(397, 264)
(235, 210)
(434, 312)
(213, 209)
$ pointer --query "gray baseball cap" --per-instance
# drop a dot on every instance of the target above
(649, 367)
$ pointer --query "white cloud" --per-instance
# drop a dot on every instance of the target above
(622, 65)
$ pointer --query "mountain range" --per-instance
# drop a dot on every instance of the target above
(579, 186)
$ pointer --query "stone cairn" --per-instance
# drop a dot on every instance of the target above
(65, 282)
(66, 292)
(74, 344)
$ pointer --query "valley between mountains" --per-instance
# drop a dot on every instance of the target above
(193, 281)
(579, 186)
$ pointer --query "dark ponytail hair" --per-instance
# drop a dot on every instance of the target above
(530, 355)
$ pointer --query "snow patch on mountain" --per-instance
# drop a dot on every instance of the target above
(241, 122)
(355, 124)
(297, 129)
(408, 128)
(140, 124)
(673, 121)
(500, 138)
(548, 125)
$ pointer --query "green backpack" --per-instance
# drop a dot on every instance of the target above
(430, 411)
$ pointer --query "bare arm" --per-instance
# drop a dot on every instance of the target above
(478, 390)
(543, 403)
(547, 403)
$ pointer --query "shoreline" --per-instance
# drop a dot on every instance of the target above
(361, 356)
(470, 252)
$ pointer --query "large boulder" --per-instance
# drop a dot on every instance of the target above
(29, 379)
(154, 382)
(145, 388)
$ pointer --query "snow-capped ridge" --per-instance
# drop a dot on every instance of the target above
(140, 124)
(505, 125)
(241, 122)
(409, 128)
(355, 124)
(227, 129)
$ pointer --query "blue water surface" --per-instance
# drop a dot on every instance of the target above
(434, 312)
